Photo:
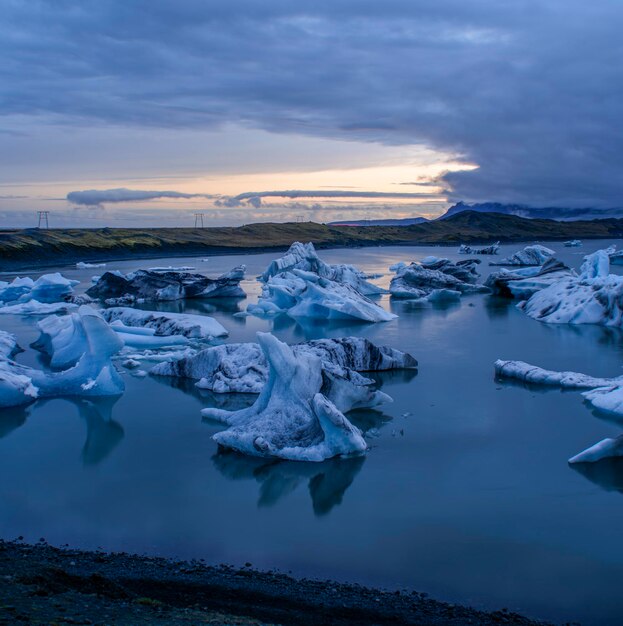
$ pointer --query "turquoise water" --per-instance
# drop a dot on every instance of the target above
(465, 492)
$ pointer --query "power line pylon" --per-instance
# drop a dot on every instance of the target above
(198, 220)
(43, 219)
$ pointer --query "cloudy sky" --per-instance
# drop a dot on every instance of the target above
(144, 112)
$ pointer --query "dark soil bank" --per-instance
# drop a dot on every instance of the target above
(45, 585)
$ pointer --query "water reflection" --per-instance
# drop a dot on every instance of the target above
(327, 481)
(12, 418)
(607, 473)
(103, 433)
(197, 306)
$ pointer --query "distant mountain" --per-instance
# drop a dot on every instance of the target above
(407, 221)
(549, 213)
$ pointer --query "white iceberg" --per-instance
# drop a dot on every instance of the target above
(81, 265)
(305, 258)
(593, 297)
(605, 449)
(242, 368)
(291, 419)
(93, 375)
(186, 324)
(8, 345)
(146, 338)
(522, 283)
(492, 249)
(34, 307)
(572, 243)
(530, 255)
(46, 289)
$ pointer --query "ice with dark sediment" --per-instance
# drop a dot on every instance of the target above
(420, 280)
(522, 283)
(242, 368)
(164, 323)
(593, 297)
(162, 284)
(291, 418)
(492, 249)
(530, 255)
(92, 375)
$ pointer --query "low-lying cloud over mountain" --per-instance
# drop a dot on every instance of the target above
(98, 197)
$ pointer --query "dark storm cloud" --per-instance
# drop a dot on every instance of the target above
(528, 90)
(97, 197)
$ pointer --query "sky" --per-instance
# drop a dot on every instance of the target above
(145, 112)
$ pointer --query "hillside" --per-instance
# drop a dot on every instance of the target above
(33, 247)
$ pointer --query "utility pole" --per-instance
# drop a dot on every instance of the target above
(198, 220)
(43, 219)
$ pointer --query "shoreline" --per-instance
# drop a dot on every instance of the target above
(44, 584)
(34, 248)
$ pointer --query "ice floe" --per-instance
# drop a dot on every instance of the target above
(492, 249)
(242, 368)
(164, 323)
(81, 265)
(593, 297)
(93, 374)
(49, 288)
(572, 243)
(291, 418)
(420, 280)
(605, 449)
(161, 284)
(530, 255)
(8, 345)
(34, 307)
(525, 282)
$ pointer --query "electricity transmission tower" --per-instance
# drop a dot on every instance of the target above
(43, 219)
(198, 220)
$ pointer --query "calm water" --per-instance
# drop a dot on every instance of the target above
(465, 493)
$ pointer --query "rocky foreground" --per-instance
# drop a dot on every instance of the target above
(45, 585)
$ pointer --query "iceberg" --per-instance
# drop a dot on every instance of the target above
(419, 280)
(604, 449)
(593, 297)
(93, 375)
(8, 345)
(291, 418)
(521, 284)
(162, 284)
(242, 368)
(492, 249)
(530, 255)
(46, 289)
(146, 338)
(305, 258)
(34, 307)
(81, 265)
(573, 243)
(186, 324)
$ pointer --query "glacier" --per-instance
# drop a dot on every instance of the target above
(291, 418)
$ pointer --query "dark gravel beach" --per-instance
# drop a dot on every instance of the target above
(46, 585)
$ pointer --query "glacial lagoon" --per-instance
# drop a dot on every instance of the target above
(465, 492)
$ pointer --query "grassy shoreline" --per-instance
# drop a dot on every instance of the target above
(30, 248)
(46, 585)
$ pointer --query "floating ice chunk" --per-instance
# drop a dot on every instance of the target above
(525, 282)
(192, 326)
(15, 388)
(165, 284)
(441, 296)
(18, 287)
(8, 345)
(527, 373)
(397, 266)
(607, 398)
(183, 268)
(305, 258)
(605, 449)
(93, 375)
(47, 288)
(492, 249)
(291, 419)
(81, 265)
(140, 337)
(573, 243)
(593, 297)
(530, 255)
(418, 281)
(34, 307)
(63, 339)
